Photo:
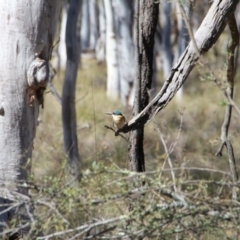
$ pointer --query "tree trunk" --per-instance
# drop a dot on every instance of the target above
(167, 55)
(68, 94)
(101, 42)
(183, 37)
(27, 35)
(113, 85)
(123, 17)
(85, 26)
(93, 17)
(147, 16)
(62, 42)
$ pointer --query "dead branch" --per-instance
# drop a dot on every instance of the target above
(168, 159)
(207, 34)
(84, 228)
(54, 92)
(229, 93)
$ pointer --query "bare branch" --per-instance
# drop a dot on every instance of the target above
(205, 37)
(54, 92)
(116, 132)
(84, 228)
(229, 93)
(168, 159)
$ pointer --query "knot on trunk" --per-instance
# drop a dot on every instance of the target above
(37, 78)
(2, 112)
(38, 73)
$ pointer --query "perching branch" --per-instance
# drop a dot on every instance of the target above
(115, 131)
(207, 34)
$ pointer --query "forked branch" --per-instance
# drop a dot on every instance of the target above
(207, 34)
(229, 94)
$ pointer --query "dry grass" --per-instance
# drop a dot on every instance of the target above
(201, 109)
(104, 156)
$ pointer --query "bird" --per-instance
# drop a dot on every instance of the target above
(118, 119)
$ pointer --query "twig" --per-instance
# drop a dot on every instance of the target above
(54, 209)
(116, 132)
(173, 145)
(100, 233)
(54, 92)
(190, 32)
(84, 228)
(168, 159)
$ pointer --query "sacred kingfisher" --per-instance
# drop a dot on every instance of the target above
(118, 119)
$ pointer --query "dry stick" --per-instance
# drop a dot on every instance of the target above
(54, 92)
(228, 113)
(173, 145)
(168, 159)
(84, 227)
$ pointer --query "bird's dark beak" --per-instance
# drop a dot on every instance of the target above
(108, 113)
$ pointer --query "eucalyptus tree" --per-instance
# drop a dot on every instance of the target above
(113, 83)
(27, 38)
(100, 48)
(166, 28)
(85, 25)
(123, 16)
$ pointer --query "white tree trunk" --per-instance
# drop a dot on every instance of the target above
(123, 15)
(101, 42)
(85, 26)
(62, 44)
(27, 36)
(167, 55)
(183, 37)
(113, 84)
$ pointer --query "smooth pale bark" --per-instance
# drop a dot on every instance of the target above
(113, 84)
(27, 36)
(207, 34)
(27, 31)
(101, 41)
(68, 93)
(166, 47)
(123, 19)
(62, 43)
(85, 26)
(183, 37)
